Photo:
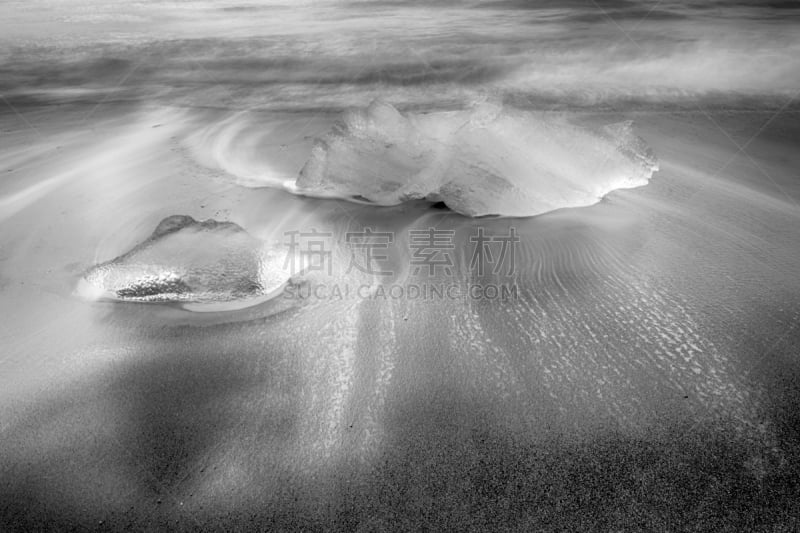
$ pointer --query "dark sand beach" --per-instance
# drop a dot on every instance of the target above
(641, 375)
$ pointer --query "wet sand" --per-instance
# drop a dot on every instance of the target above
(644, 378)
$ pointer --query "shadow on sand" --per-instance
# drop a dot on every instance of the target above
(203, 440)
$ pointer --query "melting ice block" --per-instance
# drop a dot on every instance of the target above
(485, 161)
(191, 262)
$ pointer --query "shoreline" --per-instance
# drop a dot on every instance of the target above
(329, 414)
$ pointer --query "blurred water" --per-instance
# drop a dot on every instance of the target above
(334, 53)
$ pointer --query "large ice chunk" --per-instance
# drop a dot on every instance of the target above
(484, 161)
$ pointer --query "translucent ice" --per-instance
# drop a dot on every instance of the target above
(190, 262)
(484, 161)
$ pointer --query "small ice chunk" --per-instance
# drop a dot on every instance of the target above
(190, 261)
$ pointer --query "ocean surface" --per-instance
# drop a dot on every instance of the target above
(630, 364)
(319, 55)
